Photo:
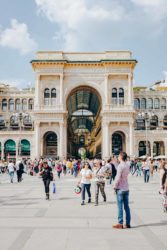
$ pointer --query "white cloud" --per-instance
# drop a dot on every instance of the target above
(19, 83)
(73, 17)
(98, 24)
(17, 37)
(155, 9)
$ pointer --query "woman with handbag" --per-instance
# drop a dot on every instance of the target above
(99, 173)
(86, 176)
(47, 176)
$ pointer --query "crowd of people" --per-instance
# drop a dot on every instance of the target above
(113, 171)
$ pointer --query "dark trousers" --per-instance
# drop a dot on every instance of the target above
(146, 175)
(111, 178)
(99, 186)
(19, 176)
(85, 187)
(46, 185)
(58, 174)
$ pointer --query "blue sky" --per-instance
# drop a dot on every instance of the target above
(82, 25)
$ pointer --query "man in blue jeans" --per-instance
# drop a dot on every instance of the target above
(121, 188)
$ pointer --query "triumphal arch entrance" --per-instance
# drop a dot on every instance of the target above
(83, 104)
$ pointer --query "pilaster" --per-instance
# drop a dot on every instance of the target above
(105, 139)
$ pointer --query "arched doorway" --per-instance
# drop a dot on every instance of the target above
(144, 148)
(158, 148)
(118, 142)
(84, 122)
(50, 144)
(9, 149)
(24, 148)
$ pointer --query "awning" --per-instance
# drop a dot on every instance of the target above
(25, 145)
(10, 145)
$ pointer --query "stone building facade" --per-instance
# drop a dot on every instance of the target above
(82, 104)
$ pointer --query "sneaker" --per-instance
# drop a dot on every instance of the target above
(118, 226)
(105, 199)
(127, 226)
(89, 200)
(83, 203)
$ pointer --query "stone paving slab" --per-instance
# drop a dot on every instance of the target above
(28, 221)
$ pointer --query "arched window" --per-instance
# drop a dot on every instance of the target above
(14, 122)
(31, 104)
(53, 96)
(163, 103)
(2, 122)
(140, 124)
(114, 96)
(11, 105)
(46, 93)
(137, 103)
(18, 105)
(121, 96)
(24, 104)
(143, 103)
(156, 103)
(4, 105)
(27, 119)
(46, 96)
(150, 103)
(53, 93)
(144, 148)
(153, 122)
(27, 122)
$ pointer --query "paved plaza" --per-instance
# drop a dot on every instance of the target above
(28, 221)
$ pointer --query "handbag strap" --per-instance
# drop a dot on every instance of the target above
(98, 170)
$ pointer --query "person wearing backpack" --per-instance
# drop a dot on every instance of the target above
(47, 176)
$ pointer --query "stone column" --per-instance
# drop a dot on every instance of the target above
(17, 150)
(165, 149)
(61, 140)
(61, 89)
(131, 139)
(105, 140)
(37, 86)
(110, 143)
(130, 92)
(65, 138)
(106, 89)
(37, 139)
(2, 150)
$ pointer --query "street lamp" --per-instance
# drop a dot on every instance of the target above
(146, 116)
